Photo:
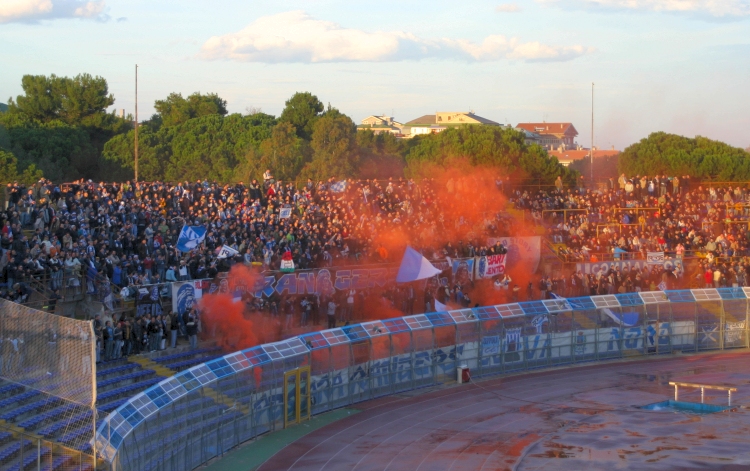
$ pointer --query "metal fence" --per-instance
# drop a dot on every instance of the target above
(205, 411)
(30, 452)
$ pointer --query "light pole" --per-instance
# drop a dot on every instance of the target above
(592, 135)
(136, 123)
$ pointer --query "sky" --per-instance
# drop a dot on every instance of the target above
(679, 66)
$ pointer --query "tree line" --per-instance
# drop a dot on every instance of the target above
(60, 128)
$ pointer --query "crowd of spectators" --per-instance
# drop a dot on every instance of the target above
(75, 235)
(629, 217)
(128, 232)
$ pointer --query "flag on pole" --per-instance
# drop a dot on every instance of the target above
(440, 307)
(190, 237)
(226, 251)
(415, 267)
(339, 187)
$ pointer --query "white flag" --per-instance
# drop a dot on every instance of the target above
(226, 251)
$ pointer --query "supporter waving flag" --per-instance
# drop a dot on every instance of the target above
(339, 187)
(226, 251)
(190, 237)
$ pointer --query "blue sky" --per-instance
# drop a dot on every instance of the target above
(679, 66)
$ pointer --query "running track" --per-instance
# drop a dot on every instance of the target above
(560, 419)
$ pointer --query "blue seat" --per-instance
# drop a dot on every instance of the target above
(130, 388)
(135, 375)
(18, 398)
(116, 369)
(180, 365)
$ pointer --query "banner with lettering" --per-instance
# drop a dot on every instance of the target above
(490, 266)
(148, 300)
(323, 281)
(521, 250)
(602, 268)
(655, 258)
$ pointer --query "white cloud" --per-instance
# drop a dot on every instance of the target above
(714, 8)
(508, 8)
(34, 10)
(297, 37)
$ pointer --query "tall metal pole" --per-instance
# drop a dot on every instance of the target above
(136, 123)
(592, 134)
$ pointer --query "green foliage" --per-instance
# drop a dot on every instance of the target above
(176, 110)
(60, 125)
(334, 145)
(210, 147)
(71, 100)
(302, 110)
(499, 148)
(9, 170)
(669, 154)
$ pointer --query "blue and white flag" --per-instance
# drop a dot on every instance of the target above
(226, 251)
(339, 187)
(415, 267)
(190, 238)
(285, 213)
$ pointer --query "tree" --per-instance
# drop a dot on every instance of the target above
(284, 153)
(61, 124)
(334, 148)
(9, 170)
(669, 154)
(71, 100)
(302, 110)
(210, 147)
(502, 149)
(175, 109)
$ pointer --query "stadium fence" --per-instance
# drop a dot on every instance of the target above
(48, 384)
(203, 412)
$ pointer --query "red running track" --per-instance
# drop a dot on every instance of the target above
(561, 419)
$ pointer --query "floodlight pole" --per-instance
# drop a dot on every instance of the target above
(592, 135)
(136, 123)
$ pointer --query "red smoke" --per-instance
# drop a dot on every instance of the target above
(226, 319)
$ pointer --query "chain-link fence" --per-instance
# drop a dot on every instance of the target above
(47, 389)
(201, 413)
(26, 452)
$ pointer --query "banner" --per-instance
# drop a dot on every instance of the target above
(490, 266)
(185, 294)
(285, 213)
(190, 237)
(521, 250)
(602, 268)
(463, 270)
(655, 258)
(148, 301)
(323, 282)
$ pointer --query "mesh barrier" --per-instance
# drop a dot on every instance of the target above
(198, 414)
(47, 389)
(49, 353)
